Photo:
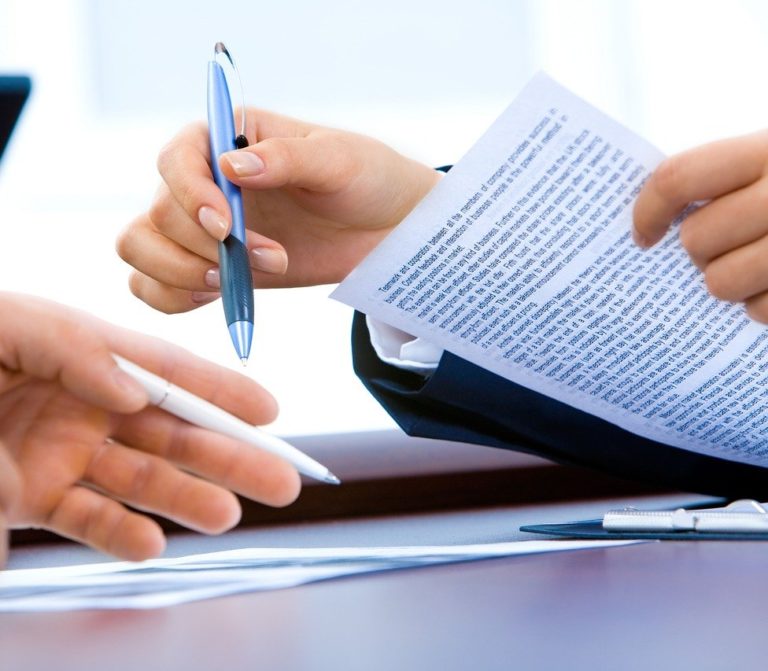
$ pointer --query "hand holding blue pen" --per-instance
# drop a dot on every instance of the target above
(234, 268)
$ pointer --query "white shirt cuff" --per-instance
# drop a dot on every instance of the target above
(401, 349)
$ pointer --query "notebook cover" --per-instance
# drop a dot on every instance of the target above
(593, 529)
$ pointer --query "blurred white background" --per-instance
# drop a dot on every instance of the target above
(114, 80)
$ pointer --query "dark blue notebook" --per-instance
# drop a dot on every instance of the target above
(14, 91)
(593, 530)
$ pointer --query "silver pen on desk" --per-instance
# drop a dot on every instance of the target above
(195, 410)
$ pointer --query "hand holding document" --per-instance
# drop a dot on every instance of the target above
(521, 261)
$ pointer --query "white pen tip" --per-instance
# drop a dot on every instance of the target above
(331, 479)
(244, 361)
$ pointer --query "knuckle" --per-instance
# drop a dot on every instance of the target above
(125, 244)
(159, 296)
(166, 157)
(80, 336)
(136, 285)
(177, 441)
(173, 304)
(141, 478)
(88, 347)
(281, 152)
(84, 513)
(160, 210)
(114, 522)
(191, 198)
(73, 512)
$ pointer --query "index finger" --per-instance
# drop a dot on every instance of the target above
(184, 165)
(231, 391)
(702, 173)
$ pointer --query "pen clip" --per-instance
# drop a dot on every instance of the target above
(746, 506)
(241, 141)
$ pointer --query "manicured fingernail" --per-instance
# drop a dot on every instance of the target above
(212, 278)
(203, 297)
(212, 222)
(244, 163)
(128, 385)
(269, 260)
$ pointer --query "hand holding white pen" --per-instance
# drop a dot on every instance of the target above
(195, 410)
(84, 455)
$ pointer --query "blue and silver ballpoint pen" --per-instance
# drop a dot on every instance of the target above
(234, 269)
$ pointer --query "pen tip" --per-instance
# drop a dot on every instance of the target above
(244, 361)
(331, 479)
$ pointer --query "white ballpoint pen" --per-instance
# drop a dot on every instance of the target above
(195, 410)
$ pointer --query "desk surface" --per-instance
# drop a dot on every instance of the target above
(679, 605)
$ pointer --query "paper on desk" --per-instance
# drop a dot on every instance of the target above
(166, 582)
(521, 261)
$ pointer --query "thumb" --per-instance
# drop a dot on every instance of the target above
(318, 162)
(53, 342)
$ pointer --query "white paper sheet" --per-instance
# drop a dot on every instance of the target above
(521, 261)
(166, 582)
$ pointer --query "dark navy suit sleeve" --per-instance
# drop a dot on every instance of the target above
(466, 403)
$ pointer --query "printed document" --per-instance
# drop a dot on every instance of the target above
(521, 261)
(165, 582)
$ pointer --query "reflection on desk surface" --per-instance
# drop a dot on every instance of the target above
(564, 610)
